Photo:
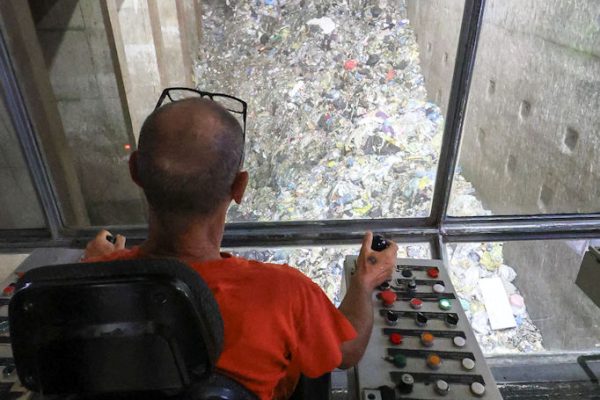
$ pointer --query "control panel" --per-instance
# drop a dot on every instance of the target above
(422, 346)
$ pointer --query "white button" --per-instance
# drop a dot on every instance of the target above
(459, 341)
(468, 364)
(478, 389)
(441, 387)
(437, 288)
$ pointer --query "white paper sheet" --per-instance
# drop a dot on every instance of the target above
(496, 303)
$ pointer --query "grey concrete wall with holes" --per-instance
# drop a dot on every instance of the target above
(532, 133)
(531, 136)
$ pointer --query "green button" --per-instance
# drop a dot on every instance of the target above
(445, 304)
(399, 361)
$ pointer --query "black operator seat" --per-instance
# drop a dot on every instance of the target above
(148, 329)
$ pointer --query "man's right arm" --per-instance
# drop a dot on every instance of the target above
(372, 269)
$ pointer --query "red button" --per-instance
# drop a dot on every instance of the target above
(396, 338)
(416, 303)
(8, 290)
(388, 297)
(433, 272)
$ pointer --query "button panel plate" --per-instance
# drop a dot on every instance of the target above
(377, 369)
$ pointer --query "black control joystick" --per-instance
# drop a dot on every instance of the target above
(379, 243)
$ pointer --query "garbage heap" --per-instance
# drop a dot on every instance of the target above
(339, 127)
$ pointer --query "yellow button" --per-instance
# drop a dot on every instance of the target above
(434, 361)
(427, 339)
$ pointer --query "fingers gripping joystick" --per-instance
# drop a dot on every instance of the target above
(379, 243)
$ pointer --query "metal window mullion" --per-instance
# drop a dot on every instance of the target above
(457, 104)
(538, 227)
(29, 145)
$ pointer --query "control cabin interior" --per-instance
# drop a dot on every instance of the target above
(466, 131)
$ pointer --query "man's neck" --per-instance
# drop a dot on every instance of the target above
(191, 239)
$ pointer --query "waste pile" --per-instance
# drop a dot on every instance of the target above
(339, 127)
(470, 262)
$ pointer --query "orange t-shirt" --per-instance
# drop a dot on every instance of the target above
(278, 323)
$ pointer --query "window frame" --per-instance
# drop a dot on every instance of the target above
(438, 226)
(437, 229)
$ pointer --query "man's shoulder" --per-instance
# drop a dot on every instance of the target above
(123, 254)
(272, 272)
(283, 270)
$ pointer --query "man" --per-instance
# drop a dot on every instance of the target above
(278, 323)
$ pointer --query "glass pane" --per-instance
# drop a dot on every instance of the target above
(324, 265)
(19, 203)
(340, 123)
(343, 118)
(531, 136)
(551, 312)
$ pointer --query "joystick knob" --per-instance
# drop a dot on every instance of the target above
(379, 243)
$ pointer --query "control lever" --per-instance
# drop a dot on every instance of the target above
(379, 243)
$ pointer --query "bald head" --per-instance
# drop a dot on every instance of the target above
(188, 156)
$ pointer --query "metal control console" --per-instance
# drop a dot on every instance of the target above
(422, 346)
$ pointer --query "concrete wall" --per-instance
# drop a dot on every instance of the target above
(531, 137)
(532, 130)
(546, 274)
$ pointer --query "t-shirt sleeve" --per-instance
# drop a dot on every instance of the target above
(322, 330)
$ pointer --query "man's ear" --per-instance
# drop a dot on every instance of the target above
(133, 168)
(239, 186)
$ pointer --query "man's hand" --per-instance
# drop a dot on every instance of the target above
(372, 269)
(100, 246)
(375, 267)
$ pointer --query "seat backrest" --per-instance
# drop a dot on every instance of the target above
(114, 327)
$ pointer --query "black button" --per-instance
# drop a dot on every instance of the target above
(452, 319)
(407, 273)
(379, 243)
(412, 285)
(421, 319)
(391, 316)
(406, 383)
